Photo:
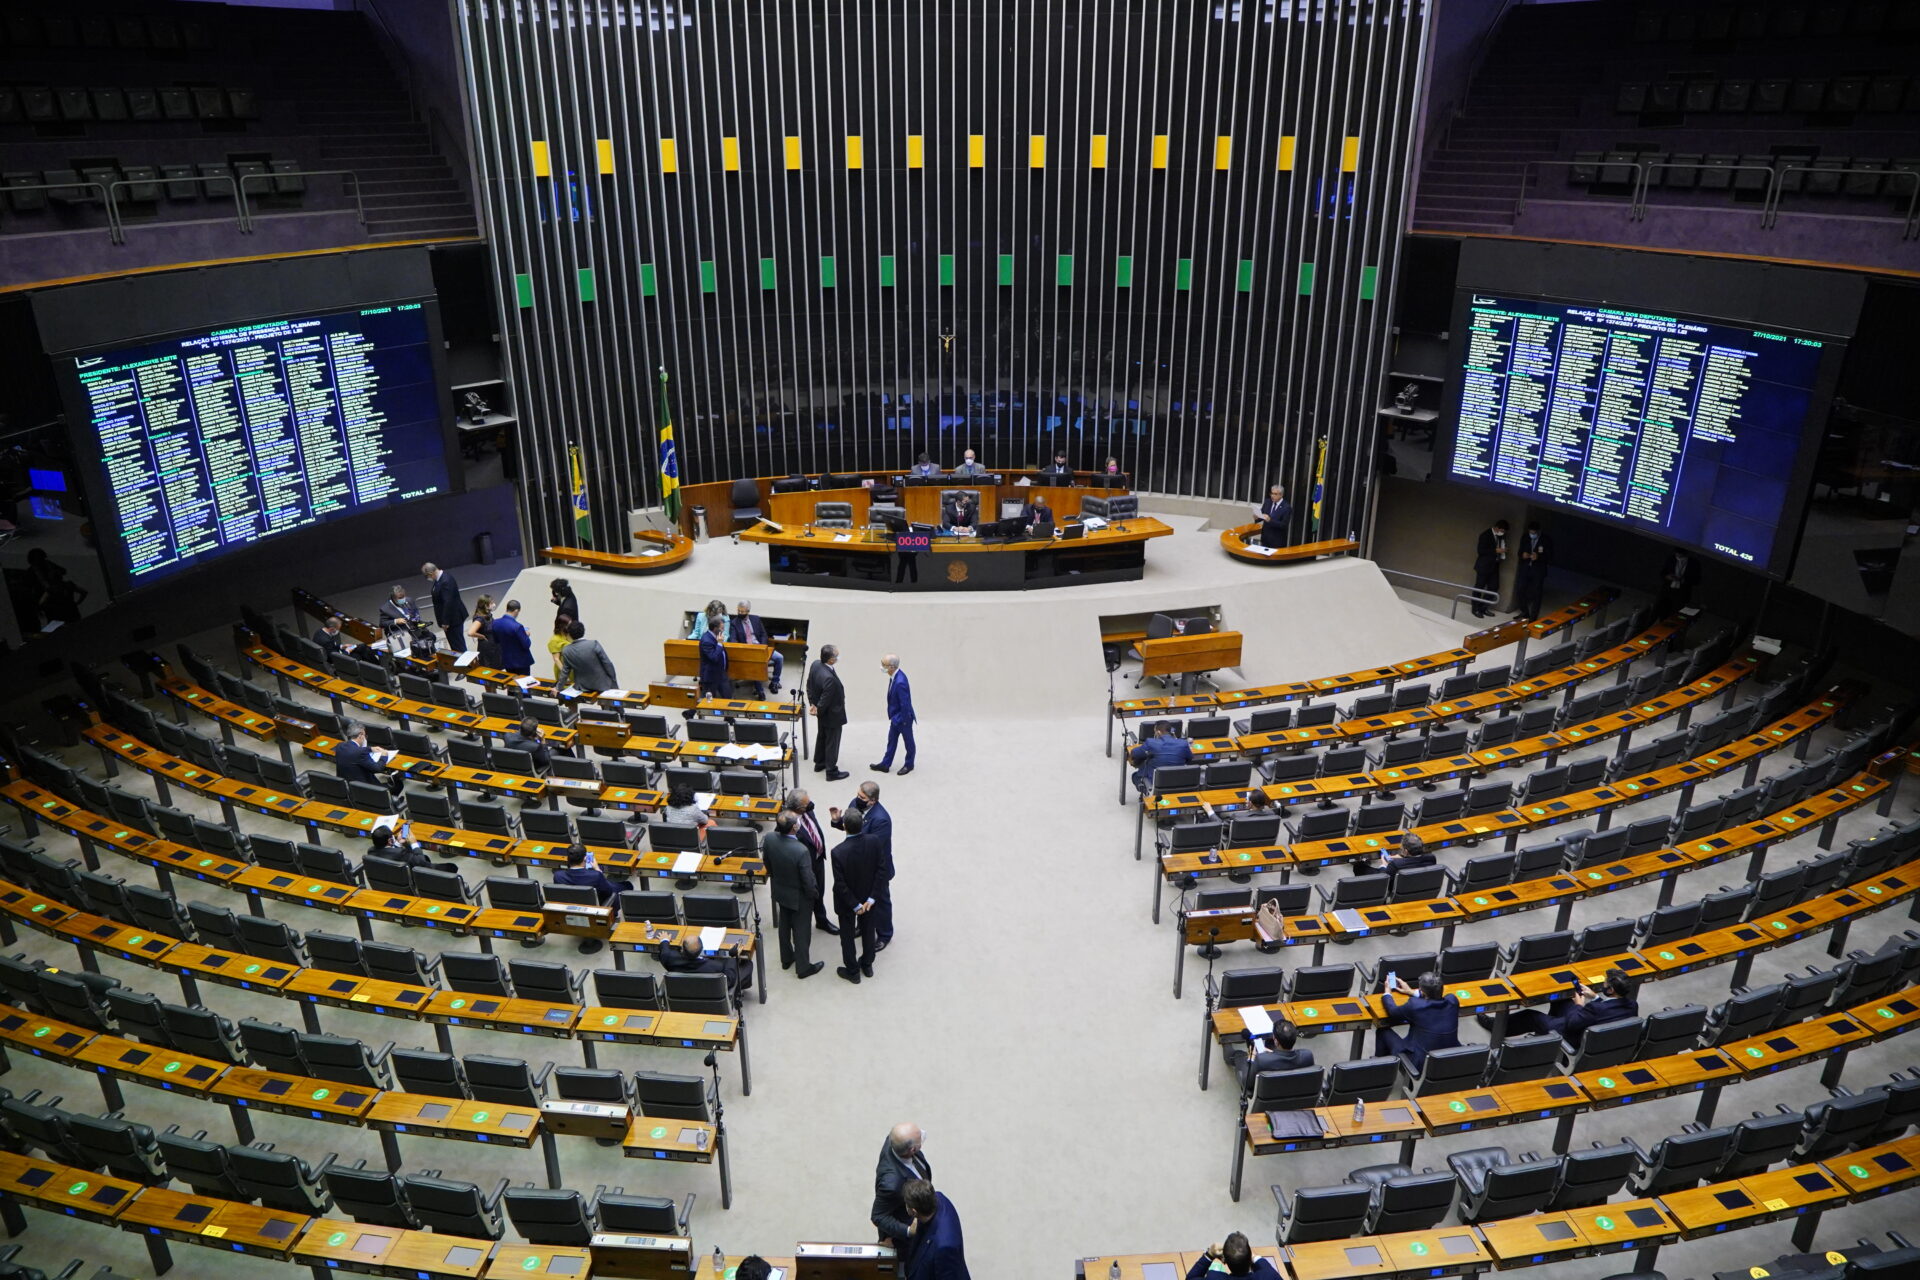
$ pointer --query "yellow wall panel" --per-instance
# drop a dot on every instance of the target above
(604, 149)
(1222, 152)
(1037, 151)
(1286, 151)
(1159, 150)
(1097, 151)
(669, 156)
(793, 152)
(856, 153)
(916, 151)
(730, 154)
(976, 150)
(1350, 155)
(542, 162)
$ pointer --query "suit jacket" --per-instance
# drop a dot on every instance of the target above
(900, 700)
(1262, 1269)
(542, 755)
(970, 469)
(1155, 752)
(588, 665)
(449, 610)
(713, 662)
(1573, 1024)
(825, 691)
(959, 514)
(1056, 469)
(856, 873)
(747, 630)
(591, 877)
(1279, 1060)
(1488, 550)
(1540, 547)
(330, 641)
(403, 610)
(570, 605)
(516, 646)
(889, 1214)
(1273, 522)
(1041, 518)
(355, 763)
(790, 871)
(938, 1251)
(1431, 1024)
(876, 822)
(924, 469)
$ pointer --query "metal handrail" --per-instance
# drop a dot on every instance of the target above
(113, 214)
(247, 217)
(1640, 194)
(1520, 205)
(240, 212)
(1908, 228)
(1477, 594)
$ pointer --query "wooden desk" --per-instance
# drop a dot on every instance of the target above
(347, 1246)
(722, 1268)
(744, 661)
(641, 1257)
(683, 1141)
(62, 1189)
(1440, 1252)
(221, 1224)
(165, 1069)
(866, 559)
(1876, 1170)
(672, 1030)
(434, 1256)
(454, 1118)
(513, 1261)
(796, 510)
(1184, 655)
(499, 1013)
(260, 1090)
(652, 553)
(1242, 543)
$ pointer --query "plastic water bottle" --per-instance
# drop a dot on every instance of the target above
(1359, 1110)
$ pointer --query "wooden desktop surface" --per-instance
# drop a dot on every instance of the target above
(1243, 543)
(652, 553)
(879, 542)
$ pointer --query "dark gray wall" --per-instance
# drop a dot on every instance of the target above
(423, 32)
(1203, 323)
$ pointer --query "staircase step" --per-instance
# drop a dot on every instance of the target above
(371, 187)
(1453, 187)
(405, 206)
(1485, 228)
(1464, 204)
(457, 224)
(384, 170)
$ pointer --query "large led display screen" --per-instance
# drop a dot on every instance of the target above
(1692, 430)
(215, 440)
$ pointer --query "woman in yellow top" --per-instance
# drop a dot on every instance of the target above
(558, 641)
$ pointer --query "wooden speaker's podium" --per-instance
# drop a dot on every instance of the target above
(821, 1261)
(642, 1257)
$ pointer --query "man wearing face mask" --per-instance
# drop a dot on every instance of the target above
(806, 829)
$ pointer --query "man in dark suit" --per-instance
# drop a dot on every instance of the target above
(448, 609)
(959, 510)
(806, 828)
(1158, 747)
(876, 822)
(938, 1253)
(1572, 1015)
(796, 895)
(399, 607)
(900, 716)
(690, 957)
(354, 760)
(1274, 514)
(1431, 1016)
(1678, 574)
(1489, 553)
(527, 739)
(1530, 579)
(516, 646)
(746, 627)
(1278, 1053)
(1411, 852)
(582, 870)
(1236, 1256)
(856, 882)
(1058, 467)
(829, 699)
(328, 637)
(901, 1161)
(1037, 516)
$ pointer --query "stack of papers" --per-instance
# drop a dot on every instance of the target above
(527, 682)
(615, 693)
(713, 938)
(705, 799)
(687, 863)
(568, 692)
(466, 659)
(843, 537)
(391, 820)
(1093, 522)
(1257, 1020)
(747, 751)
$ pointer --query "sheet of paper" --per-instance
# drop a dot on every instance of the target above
(391, 820)
(712, 938)
(1261, 551)
(1257, 1020)
(466, 659)
(1093, 522)
(731, 751)
(569, 692)
(686, 863)
(705, 799)
(843, 537)
(382, 754)
(527, 682)
(614, 693)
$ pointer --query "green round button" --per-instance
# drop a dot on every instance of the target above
(1456, 1105)
(41, 1031)
(1885, 1013)
(1604, 1223)
(171, 1067)
(1856, 1171)
(1417, 1247)
(1666, 955)
(1309, 1013)
(433, 910)
(76, 1188)
(39, 906)
(313, 888)
(480, 1117)
(320, 1095)
(253, 968)
(1593, 875)
(1606, 1082)
(1461, 994)
(1246, 857)
(459, 1004)
(658, 1131)
(663, 859)
(1479, 902)
(1780, 924)
(337, 1239)
(136, 939)
(531, 1262)
(1756, 1053)
(609, 1020)
(1873, 888)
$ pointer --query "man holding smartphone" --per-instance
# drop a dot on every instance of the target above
(1236, 1255)
(1431, 1016)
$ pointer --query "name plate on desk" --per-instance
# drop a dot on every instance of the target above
(587, 1119)
(641, 1257)
(821, 1261)
(913, 542)
(579, 921)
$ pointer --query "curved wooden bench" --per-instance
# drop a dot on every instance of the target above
(1237, 542)
(656, 553)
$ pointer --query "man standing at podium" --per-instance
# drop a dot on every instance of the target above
(900, 716)
(829, 699)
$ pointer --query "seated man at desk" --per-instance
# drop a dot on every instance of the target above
(969, 466)
(1159, 745)
(1037, 516)
(1277, 1052)
(1412, 852)
(1431, 1016)
(924, 468)
(689, 957)
(1236, 1256)
(354, 761)
(747, 627)
(1058, 467)
(527, 739)
(960, 510)
(328, 637)
(1569, 1016)
(582, 870)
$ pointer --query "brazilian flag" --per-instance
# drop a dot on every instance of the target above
(669, 458)
(1319, 481)
(582, 514)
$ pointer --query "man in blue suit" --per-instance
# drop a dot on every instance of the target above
(937, 1251)
(516, 646)
(581, 869)
(1572, 1015)
(900, 716)
(878, 823)
(1274, 514)
(1431, 1016)
(353, 759)
(1159, 746)
(1234, 1255)
(747, 627)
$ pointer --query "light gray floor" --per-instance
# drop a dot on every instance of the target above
(1023, 1017)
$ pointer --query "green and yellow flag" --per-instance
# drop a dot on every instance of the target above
(669, 458)
(1319, 481)
(582, 514)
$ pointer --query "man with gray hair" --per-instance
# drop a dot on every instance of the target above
(746, 627)
(900, 716)
(449, 610)
(901, 1161)
(806, 829)
(829, 699)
